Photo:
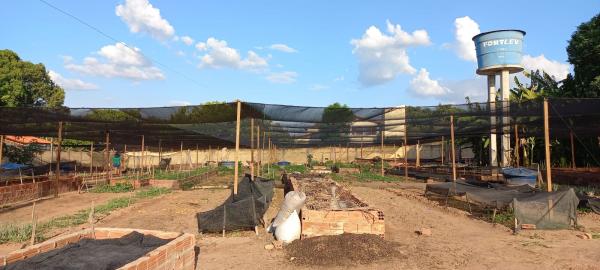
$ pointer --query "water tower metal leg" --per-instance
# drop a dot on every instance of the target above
(505, 119)
(492, 100)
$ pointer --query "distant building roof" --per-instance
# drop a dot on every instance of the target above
(26, 140)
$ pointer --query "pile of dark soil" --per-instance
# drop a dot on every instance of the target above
(345, 249)
(90, 254)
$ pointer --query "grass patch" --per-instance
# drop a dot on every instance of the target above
(117, 188)
(22, 233)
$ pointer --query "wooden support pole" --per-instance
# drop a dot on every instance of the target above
(1, 147)
(107, 156)
(237, 147)
(405, 154)
(258, 155)
(418, 150)
(252, 149)
(442, 150)
(159, 150)
(547, 146)
(517, 145)
(33, 224)
(361, 147)
(91, 158)
(347, 154)
(573, 165)
(453, 148)
(143, 154)
(382, 153)
(58, 148)
(181, 157)
(197, 159)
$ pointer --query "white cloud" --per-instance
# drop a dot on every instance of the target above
(121, 54)
(283, 48)
(187, 40)
(141, 16)
(180, 53)
(382, 57)
(220, 55)
(70, 84)
(474, 88)
(179, 103)
(465, 29)
(422, 85)
(554, 68)
(117, 61)
(338, 79)
(284, 77)
(318, 87)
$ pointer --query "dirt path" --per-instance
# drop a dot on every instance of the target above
(458, 241)
(65, 204)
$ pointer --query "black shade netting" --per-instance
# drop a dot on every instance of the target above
(242, 211)
(493, 195)
(555, 210)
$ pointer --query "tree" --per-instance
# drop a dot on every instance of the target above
(23, 83)
(337, 119)
(21, 154)
(584, 55)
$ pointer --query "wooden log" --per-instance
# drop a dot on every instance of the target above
(442, 150)
(58, 148)
(547, 147)
(237, 147)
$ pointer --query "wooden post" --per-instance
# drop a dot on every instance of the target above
(258, 150)
(91, 158)
(382, 153)
(143, 154)
(262, 151)
(197, 159)
(547, 146)
(252, 149)
(1, 147)
(517, 145)
(107, 157)
(573, 165)
(442, 150)
(58, 148)
(237, 147)
(418, 163)
(405, 154)
(361, 147)
(347, 154)
(33, 224)
(453, 149)
(91, 220)
(181, 157)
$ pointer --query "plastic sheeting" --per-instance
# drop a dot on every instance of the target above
(242, 211)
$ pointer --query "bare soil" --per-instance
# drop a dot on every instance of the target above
(458, 240)
(341, 250)
(46, 209)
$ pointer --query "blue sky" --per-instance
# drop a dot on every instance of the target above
(362, 53)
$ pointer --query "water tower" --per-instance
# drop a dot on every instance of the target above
(499, 53)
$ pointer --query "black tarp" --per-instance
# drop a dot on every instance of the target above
(241, 211)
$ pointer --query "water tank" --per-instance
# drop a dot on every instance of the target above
(499, 50)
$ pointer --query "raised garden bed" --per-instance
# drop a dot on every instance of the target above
(95, 249)
(327, 214)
